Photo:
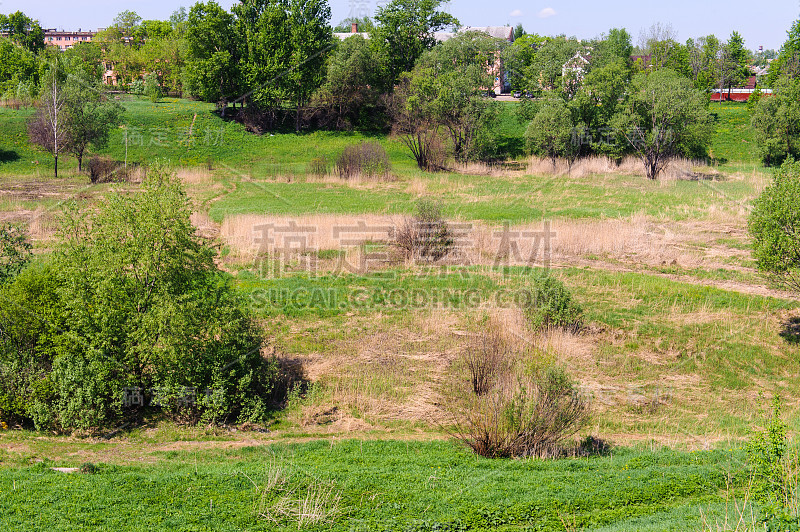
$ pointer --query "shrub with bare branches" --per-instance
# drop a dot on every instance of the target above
(426, 236)
(502, 408)
(367, 159)
(105, 170)
(485, 360)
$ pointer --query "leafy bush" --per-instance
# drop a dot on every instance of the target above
(521, 410)
(367, 159)
(552, 306)
(774, 474)
(426, 236)
(773, 225)
(130, 315)
(152, 87)
(15, 251)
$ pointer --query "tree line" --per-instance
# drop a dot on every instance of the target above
(274, 64)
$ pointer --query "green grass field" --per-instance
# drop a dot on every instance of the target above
(381, 486)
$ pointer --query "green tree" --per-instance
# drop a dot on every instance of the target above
(17, 67)
(89, 117)
(664, 116)
(774, 224)
(519, 31)
(262, 29)
(776, 122)
(595, 105)
(405, 29)
(788, 61)
(350, 96)
(550, 133)
(613, 48)
(311, 42)
(127, 22)
(131, 300)
(24, 31)
(546, 69)
(213, 55)
(452, 79)
(518, 58)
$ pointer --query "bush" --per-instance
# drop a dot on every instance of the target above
(367, 159)
(485, 360)
(426, 236)
(107, 170)
(773, 225)
(15, 251)
(318, 166)
(552, 306)
(130, 316)
(774, 473)
(522, 410)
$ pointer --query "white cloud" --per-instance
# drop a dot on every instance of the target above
(516, 13)
(547, 12)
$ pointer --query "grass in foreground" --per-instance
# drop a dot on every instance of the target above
(382, 486)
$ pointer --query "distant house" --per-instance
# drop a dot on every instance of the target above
(66, 39)
(738, 94)
(353, 31)
(576, 67)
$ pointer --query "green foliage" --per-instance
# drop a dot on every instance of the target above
(552, 305)
(773, 482)
(212, 53)
(152, 87)
(550, 133)
(787, 63)
(775, 226)
(131, 300)
(24, 31)
(595, 104)
(15, 251)
(350, 95)
(776, 122)
(405, 30)
(365, 25)
(89, 118)
(664, 116)
(448, 87)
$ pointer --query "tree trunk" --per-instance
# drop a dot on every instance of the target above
(80, 163)
(55, 167)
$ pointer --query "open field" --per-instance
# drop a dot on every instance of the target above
(683, 338)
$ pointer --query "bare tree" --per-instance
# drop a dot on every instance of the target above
(48, 127)
(656, 33)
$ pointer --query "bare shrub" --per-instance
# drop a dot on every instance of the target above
(290, 378)
(106, 170)
(318, 166)
(426, 236)
(485, 360)
(367, 159)
(524, 411)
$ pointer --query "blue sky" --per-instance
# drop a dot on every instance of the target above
(760, 23)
